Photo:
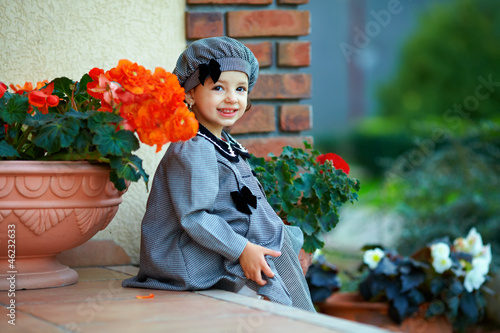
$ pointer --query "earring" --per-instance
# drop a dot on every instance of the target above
(190, 105)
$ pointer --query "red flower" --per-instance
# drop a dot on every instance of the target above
(337, 161)
(43, 98)
(101, 88)
(3, 89)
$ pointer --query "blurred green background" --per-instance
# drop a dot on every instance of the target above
(416, 115)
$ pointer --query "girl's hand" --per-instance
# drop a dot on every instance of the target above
(253, 263)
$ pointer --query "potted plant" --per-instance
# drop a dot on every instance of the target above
(441, 284)
(67, 154)
(307, 189)
(322, 278)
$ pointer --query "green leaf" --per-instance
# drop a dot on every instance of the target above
(117, 143)
(289, 196)
(16, 109)
(57, 134)
(119, 183)
(7, 150)
(81, 86)
(81, 95)
(305, 184)
(412, 280)
(99, 119)
(297, 217)
(282, 173)
(64, 85)
(469, 307)
(328, 221)
(321, 188)
(83, 141)
(124, 169)
(313, 242)
(75, 114)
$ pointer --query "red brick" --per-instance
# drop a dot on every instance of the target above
(231, 2)
(296, 117)
(261, 147)
(202, 25)
(292, 2)
(260, 118)
(263, 52)
(254, 23)
(282, 86)
(294, 54)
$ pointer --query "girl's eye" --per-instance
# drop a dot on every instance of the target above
(217, 88)
(241, 89)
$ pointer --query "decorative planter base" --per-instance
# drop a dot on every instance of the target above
(47, 208)
(43, 272)
(351, 306)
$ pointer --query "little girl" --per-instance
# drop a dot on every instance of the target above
(207, 222)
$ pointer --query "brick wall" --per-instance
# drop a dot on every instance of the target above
(270, 28)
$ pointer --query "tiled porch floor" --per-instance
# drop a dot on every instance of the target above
(98, 303)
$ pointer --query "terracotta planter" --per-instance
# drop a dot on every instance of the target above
(351, 306)
(47, 208)
(305, 259)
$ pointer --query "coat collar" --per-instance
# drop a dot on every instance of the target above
(230, 149)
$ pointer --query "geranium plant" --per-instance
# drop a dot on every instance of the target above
(446, 276)
(307, 189)
(95, 119)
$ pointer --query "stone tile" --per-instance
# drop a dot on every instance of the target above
(99, 273)
(26, 323)
(126, 269)
(84, 291)
(185, 309)
(249, 323)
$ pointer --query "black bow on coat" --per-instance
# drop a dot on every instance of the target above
(244, 198)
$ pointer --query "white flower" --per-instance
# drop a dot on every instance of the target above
(441, 264)
(373, 257)
(440, 250)
(481, 265)
(473, 279)
(475, 242)
(461, 245)
(485, 254)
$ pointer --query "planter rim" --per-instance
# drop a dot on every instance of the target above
(353, 299)
(50, 167)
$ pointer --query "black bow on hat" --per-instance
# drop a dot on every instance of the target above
(244, 198)
(212, 69)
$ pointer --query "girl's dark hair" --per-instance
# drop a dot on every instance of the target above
(249, 104)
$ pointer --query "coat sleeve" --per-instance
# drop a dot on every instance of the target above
(193, 182)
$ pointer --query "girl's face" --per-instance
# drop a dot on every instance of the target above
(220, 104)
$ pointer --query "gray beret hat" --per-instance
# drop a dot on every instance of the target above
(231, 55)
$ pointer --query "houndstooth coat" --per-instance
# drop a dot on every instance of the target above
(198, 222)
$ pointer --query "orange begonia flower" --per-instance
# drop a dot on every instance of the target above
(130, 76)
(28, 87)
(43, 98)
(183, 125)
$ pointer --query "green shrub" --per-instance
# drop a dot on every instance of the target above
(449, 190)
(443, 69)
